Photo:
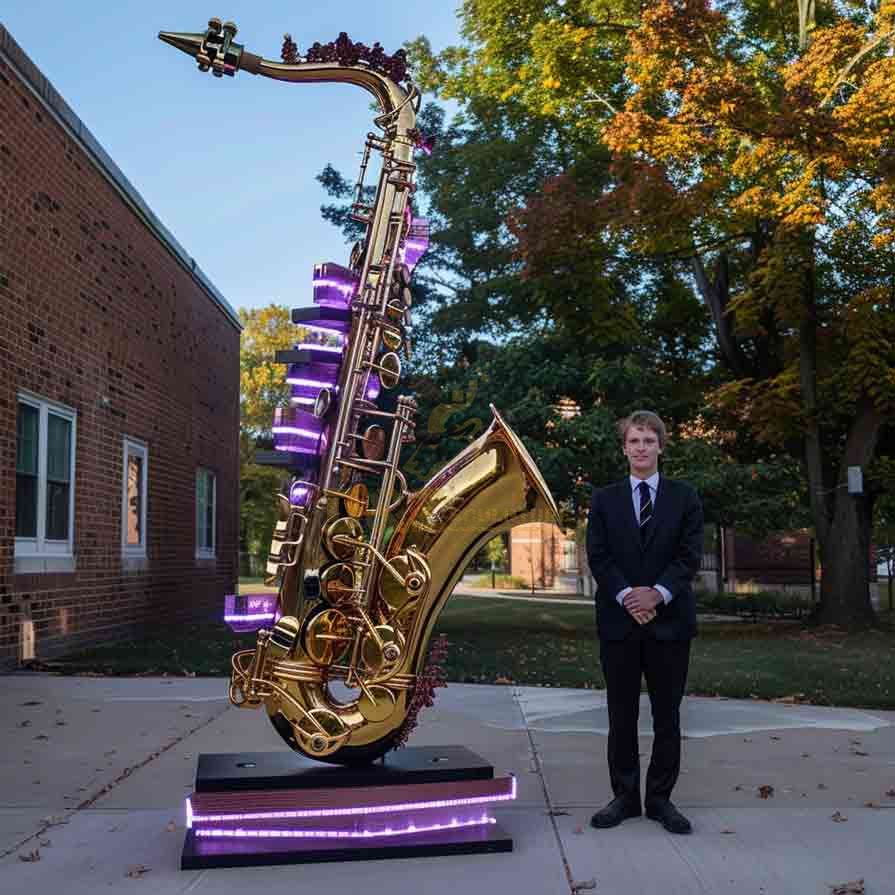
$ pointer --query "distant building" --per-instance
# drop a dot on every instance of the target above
(119, 460)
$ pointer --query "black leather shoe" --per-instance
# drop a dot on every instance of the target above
(670, 818)
(619, 809)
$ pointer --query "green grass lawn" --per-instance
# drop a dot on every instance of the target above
(501, 641)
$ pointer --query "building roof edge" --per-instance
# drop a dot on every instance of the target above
(52, 100)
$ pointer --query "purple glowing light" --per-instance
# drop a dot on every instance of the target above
(247, 612)
(314, 346)
(359, 810)
(298, 430)
(334, 285)
(298, 494)
(334, 328)
(373, 387)
(416, 242)
(410, 829)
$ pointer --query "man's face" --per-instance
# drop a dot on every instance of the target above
(642, 450)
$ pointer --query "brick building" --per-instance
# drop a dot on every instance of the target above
(119, 394)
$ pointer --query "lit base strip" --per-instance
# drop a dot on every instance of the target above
(409, 830)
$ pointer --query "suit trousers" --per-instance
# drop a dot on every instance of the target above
(664, 663)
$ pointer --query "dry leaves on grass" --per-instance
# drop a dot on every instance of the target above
(765, 791)
(135, 871)
(32, 856)
(838, 817)
(855, 887)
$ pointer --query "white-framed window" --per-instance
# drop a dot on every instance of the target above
(205, 513)
(45, 477)
(133, 497)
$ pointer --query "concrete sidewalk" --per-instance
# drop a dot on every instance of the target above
(94, 772)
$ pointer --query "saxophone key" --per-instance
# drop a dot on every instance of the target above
(376, 703)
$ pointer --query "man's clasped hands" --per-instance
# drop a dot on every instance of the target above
(641, 602)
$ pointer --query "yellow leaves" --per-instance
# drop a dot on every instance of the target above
(551, 83)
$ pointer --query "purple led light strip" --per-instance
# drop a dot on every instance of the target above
(344, 288)
(257, 617)
(348, 812)
(409, 830)
(313, 346)
(294, 430)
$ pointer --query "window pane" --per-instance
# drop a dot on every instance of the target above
(27, 424)
(26, 506)
(26, 439)
(58, 448)
(134, 499)
(57, 510)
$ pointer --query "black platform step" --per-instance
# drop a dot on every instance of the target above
(291, 460)
(320, 314)
(307, 356)
(228, 772)
(203, 854)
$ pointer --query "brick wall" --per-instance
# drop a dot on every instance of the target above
(100, 314)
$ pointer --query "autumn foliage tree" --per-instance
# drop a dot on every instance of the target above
(755, 140)
(262, 388)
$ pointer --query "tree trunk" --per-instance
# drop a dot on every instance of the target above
(845, 544)
(845, 560)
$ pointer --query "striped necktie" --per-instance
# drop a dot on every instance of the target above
(646, 509)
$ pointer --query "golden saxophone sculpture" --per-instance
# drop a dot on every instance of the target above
(363, 566)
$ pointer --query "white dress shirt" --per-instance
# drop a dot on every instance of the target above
(653, 482)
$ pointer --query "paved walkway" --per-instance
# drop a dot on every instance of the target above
(94, 772)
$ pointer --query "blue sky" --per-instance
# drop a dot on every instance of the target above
(229, 164)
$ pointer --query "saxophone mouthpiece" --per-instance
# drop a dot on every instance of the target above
(190, 44)
(213, 49)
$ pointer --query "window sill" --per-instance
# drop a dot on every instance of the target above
(204, 561)
(30, 565)
(133, 563)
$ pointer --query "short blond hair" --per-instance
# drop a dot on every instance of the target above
(647, 420)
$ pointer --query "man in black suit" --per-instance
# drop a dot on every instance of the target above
(644, 542)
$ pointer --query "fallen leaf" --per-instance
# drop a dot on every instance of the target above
(890, 793)
(859, 752)
(30, 702)
(765, 791)
(775, 738)
(41, 736)
(873, 805)
(171, 827)
(557, 812)
(137, 870)
(855, 887)
(32, 856)
(838, 817)
(728, 832)
(45, 843)
(25, 723)
(822, 786)
(583, 885)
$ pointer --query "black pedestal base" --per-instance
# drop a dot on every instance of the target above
(202, 854)
(243, 787)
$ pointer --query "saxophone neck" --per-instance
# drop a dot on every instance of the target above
(340, 62)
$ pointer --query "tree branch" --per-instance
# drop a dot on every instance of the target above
(715, 296)
(846, 69)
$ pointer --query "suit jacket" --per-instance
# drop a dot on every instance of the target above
(670, 556)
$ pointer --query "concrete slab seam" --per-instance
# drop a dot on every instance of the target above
(125, 774)
(573, 887)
